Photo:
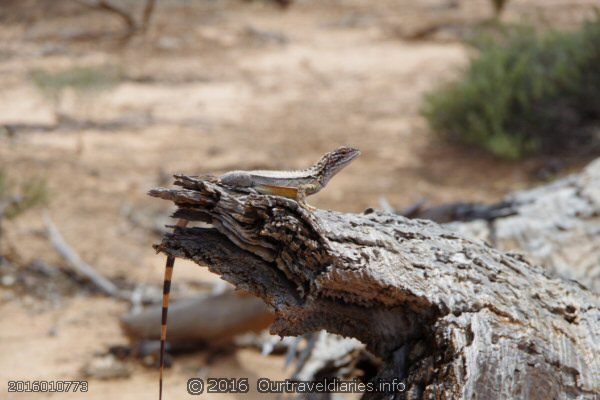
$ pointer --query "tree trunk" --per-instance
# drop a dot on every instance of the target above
(452, 317)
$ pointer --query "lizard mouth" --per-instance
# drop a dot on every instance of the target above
(349, 153)
(354, 153)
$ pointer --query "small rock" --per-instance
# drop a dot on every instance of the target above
(120, 351)
(105, 368)
(264, 37)
(149, 361)
(51, 49)
(168, 43)
(8, 280)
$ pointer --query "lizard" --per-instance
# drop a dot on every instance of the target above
(293, 184)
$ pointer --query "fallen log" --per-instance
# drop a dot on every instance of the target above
(209, 319)
(452, 317)
(460, 211)
(557, 225)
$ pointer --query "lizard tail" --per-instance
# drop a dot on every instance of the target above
(165, 310)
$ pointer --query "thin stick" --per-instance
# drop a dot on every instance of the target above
(80, 266)
(148, 9)
(105, 5)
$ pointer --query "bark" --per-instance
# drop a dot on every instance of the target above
(328, 355)
(556, 225)
(452, 317)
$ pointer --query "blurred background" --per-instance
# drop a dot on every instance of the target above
(449, 100)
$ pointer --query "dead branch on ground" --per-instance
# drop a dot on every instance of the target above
(203, 319)
(80, 266)
(447, 314)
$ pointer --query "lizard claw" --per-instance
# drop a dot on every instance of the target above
(307, 206)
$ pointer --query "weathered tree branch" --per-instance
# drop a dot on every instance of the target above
(453, 317)
(204, 319)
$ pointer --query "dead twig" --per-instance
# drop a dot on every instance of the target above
(148, 10)
(104, 5)
(131, 25)
(80, 266)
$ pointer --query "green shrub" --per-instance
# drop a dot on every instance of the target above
(16, 199)
(79, 78)
(525, 93)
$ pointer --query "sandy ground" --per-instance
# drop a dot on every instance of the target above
(213, 87)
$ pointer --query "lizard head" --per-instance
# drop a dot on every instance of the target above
(334, 161)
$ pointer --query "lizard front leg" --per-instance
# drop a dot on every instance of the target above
(303, 191)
